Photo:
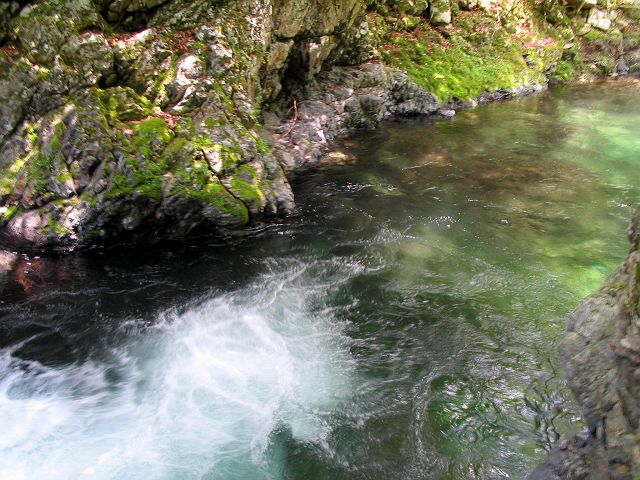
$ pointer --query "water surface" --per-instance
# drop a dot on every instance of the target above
(403, 325)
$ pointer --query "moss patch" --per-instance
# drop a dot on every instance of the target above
(124, 104)
(245, 185)
(474, 55)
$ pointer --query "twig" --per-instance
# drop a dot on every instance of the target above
(295, 117)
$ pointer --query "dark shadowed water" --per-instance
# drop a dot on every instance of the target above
(403, 326)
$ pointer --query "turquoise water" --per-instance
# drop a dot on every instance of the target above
(403, 324)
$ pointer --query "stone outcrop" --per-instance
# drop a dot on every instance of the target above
(339, 101)
(148, 120)
(601, 356)
(141, 119)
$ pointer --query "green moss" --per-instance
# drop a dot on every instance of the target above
(454, 71)
(564, 71)
(475, 55)
(54, 227)
(9, 176)
(598, 36)
(146, 162)
(262, 146)
(178, 149)
(10, 213)
(64, 177)
(211, 122)
(120, 186)
(123, 104)
(217, 196)
(154, 128)
(230, 155)
(245, 185)
(40, 169)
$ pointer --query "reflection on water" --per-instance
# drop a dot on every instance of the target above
(404, 325)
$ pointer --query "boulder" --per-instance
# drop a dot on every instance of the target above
(413, 7)
(599, 19)
(439, 12)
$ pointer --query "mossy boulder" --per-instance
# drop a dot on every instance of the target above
(142, 118)
(105, 134)
(439, 12)
(413, 7)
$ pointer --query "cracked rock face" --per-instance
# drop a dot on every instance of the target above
(601, 356)
(141, 119)
(147, 120)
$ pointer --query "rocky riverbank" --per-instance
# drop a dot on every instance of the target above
(153, 120)
(601, 356)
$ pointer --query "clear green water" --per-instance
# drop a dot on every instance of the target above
(403, 325)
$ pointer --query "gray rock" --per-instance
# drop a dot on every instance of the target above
(439, 12)
(601, 356)
(412, 7)
(599, 19)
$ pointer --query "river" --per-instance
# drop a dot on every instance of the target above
(402, 325)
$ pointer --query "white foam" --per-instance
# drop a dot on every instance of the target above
(197, 395)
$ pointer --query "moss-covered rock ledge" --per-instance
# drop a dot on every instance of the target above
(136, 119)
(153, 119)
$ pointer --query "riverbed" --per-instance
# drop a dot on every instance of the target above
(403, 324)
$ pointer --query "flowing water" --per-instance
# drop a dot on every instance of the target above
(403, 325)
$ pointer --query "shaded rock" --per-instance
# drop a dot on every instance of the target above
(339, 101)
(583, 4)
(601, 356)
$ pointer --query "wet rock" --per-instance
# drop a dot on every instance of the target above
(341, 100)
(601, 356)
(410, 99)
(7, 261)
